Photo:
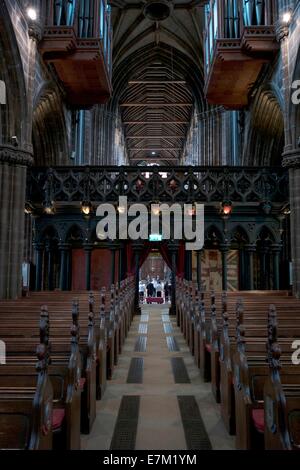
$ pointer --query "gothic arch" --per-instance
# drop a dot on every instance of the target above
(48, 231)
(213, 235)
(75, 234)
(266, 138)
(15, 111)
(266, 233)
(50, 141)
(239, 231)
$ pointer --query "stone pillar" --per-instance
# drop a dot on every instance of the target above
(276, 249)
(224, 250)
(263, 267)
(39, 250)
(199, 268)
(13, 164)
(173, 249)
(250, 250)
(49, 254)
(137, 248)
(292, 162)
(88, 248)
(64, 250)
(188, 265)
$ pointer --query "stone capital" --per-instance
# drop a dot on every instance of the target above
(38, 246)
(173, 246)
(138, 246)
(276, 248)
(291, 159)
(35, 31)
(88, 246)
(282, 31)
(64, 246)
(15, 156)
(224, 247)
(250, 248)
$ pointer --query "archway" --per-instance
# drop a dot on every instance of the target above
(265, 142)
(155, 279)
(49, 132)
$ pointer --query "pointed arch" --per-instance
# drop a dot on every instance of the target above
(266, 233)
(266, 138)
(213, 235)
(49, 133)
(75, 234)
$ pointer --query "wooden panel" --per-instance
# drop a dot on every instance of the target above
(101, 269)
(78, 269)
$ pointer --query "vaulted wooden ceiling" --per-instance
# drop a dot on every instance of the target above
(157, 76)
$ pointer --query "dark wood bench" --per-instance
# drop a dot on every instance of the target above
(27, 417)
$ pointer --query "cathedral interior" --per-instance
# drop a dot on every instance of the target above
(160, 102)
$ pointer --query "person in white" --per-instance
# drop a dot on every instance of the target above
(158, 289)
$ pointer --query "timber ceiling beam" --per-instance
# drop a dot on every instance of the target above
(153, 122)
(155, 149)
(156, 105)
(157, 82)
(156, 137)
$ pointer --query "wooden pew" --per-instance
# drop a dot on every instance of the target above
(250, 374)
(26, 403)
(214, 338)
(281, 399)
(60, 345)
(66, 374)
(256, 325)
(101, 375)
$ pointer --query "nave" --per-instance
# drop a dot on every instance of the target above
(160, 424)
(220, 374)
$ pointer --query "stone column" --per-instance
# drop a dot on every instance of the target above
(88, 248)
(276, 249)
(188, 265)
(292, 162)
(39, 250)
(291, 155)
(224, 250)
(199, 268)
(13, 164)
(49, 264)
(250, 250)
(173, 247)
(263, 256)
(137, 248)
(64, 250)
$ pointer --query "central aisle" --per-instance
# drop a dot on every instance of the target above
(157, 400)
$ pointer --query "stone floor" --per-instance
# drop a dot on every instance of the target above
(159, 423)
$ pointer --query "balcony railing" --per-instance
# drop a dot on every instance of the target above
(164, 184)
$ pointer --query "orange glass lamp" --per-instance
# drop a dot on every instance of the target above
(226, 208)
